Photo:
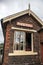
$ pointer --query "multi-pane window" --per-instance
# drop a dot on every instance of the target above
(22, 41)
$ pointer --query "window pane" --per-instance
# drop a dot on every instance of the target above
(19, 40)
(17, 36)
(28, 41)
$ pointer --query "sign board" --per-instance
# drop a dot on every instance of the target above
(24, 24)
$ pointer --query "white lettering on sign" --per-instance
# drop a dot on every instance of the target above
(24, 24)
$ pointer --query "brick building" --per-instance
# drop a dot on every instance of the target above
(23, 39)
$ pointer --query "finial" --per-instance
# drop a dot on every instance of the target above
(29, 6)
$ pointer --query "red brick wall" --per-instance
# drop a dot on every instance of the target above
(41, 44)
(41, 36)
(6, 47)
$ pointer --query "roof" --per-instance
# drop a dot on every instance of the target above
(8, 18)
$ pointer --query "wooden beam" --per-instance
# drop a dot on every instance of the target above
(21, 29)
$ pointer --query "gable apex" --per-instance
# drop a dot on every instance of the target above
(10, 17)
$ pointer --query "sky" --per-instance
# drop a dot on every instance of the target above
(9, 7)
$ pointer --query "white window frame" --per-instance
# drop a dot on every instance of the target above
(32, 42)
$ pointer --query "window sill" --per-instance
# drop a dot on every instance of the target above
(18, 53)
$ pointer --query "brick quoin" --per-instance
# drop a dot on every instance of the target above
(6, 48)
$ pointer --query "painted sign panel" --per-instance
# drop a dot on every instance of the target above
(24, 24)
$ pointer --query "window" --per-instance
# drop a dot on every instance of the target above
(19, 40)
(22, 41)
